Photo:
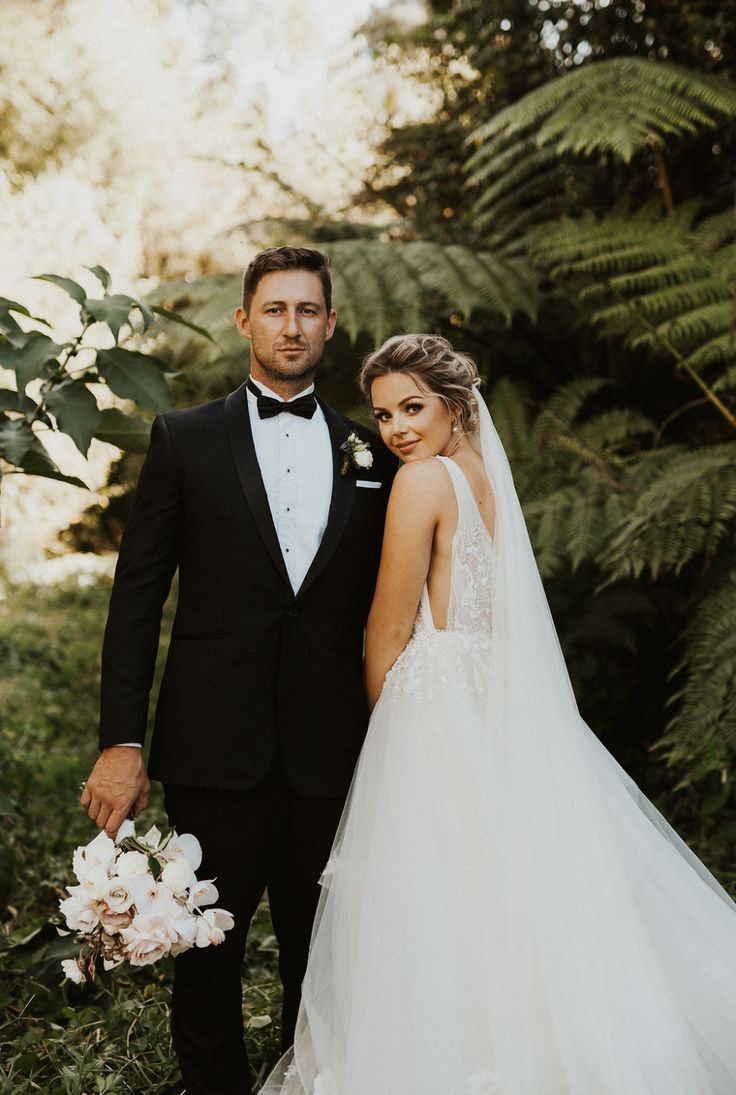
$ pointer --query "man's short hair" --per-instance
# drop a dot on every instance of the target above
(287, 258)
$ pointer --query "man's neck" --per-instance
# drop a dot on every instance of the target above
(283, 387)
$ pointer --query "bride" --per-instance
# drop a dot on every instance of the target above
(503, 912)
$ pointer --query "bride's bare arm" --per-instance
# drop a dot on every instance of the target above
(413, 512)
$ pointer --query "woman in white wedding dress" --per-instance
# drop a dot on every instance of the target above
(503, 912)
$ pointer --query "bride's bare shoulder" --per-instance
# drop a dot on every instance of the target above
(422, 484)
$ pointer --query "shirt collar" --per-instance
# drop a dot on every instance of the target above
(267, 391)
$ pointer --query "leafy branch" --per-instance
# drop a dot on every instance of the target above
(61, 380)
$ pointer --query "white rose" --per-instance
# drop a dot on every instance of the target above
(72, 971)
(131, 864)
(364, 458)
(79, 912)
(178, 875)
(117, 897)
(202, 893)
(147, 940)
(101, 851)
(211, 927)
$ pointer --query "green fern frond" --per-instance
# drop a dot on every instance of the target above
(618, 105)
(661, 282)
(706, 717)
(564, 405)
(685, 506)
(509, 409)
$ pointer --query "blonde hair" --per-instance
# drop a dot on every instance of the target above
(435, 366)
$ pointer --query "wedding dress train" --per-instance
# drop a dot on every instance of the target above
(503, 912)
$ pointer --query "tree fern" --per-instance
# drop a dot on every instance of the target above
(665, 283)
(380, 287)
(618, 105)
(704, 726)
(685, 506)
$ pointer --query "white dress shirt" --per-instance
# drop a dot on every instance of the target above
(296, 461)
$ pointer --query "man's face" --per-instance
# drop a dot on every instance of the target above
(287, 325)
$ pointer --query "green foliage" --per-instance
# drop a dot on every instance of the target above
(55, 1037)
(619, 106)
(662, 283)
(702, 731)
(65, 373)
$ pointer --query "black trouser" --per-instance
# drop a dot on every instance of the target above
(268, 837)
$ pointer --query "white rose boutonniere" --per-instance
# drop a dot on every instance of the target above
(357, 454)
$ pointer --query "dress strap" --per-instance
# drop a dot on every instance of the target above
(466, 504)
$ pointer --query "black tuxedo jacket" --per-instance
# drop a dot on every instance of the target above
(253, 668)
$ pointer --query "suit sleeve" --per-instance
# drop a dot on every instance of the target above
(149, 556)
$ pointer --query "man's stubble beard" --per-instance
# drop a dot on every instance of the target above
(276, 368)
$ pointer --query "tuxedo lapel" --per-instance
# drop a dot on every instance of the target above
(240, 438)
(343, 493)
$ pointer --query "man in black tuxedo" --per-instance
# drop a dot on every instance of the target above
(276, 533)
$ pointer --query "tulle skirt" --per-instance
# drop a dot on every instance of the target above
(488, 927)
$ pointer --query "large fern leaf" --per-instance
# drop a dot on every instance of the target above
(685, 505)
(704, 726)
(618, 105)
(662, 282)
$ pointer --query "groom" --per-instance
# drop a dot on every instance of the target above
(275, 531)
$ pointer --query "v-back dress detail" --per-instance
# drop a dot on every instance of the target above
(473, 938)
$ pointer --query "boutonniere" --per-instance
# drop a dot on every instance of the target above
(357, 453)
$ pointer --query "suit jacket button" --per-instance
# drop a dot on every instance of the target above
(292, 613)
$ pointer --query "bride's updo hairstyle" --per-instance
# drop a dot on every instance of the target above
(436, 367)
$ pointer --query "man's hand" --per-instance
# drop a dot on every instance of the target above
(117, 783)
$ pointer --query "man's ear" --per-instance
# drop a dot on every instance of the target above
(331, 321)
(242, 322)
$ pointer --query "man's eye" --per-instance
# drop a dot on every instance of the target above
(309, 311)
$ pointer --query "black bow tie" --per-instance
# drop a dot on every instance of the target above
(304, 406)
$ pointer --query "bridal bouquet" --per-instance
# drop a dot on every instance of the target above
(138, 900)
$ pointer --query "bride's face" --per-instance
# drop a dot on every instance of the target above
(413, 422)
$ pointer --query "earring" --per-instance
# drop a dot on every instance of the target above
(454, 427)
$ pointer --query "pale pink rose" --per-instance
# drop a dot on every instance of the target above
(113, 921)
(363, 458)
(147, 940)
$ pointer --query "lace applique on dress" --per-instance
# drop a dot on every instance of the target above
(460, 653)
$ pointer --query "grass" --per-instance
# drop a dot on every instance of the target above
(58, 1038)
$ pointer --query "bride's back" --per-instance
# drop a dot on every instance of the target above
(466, 499)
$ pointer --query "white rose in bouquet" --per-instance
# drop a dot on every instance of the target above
(121, 911)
